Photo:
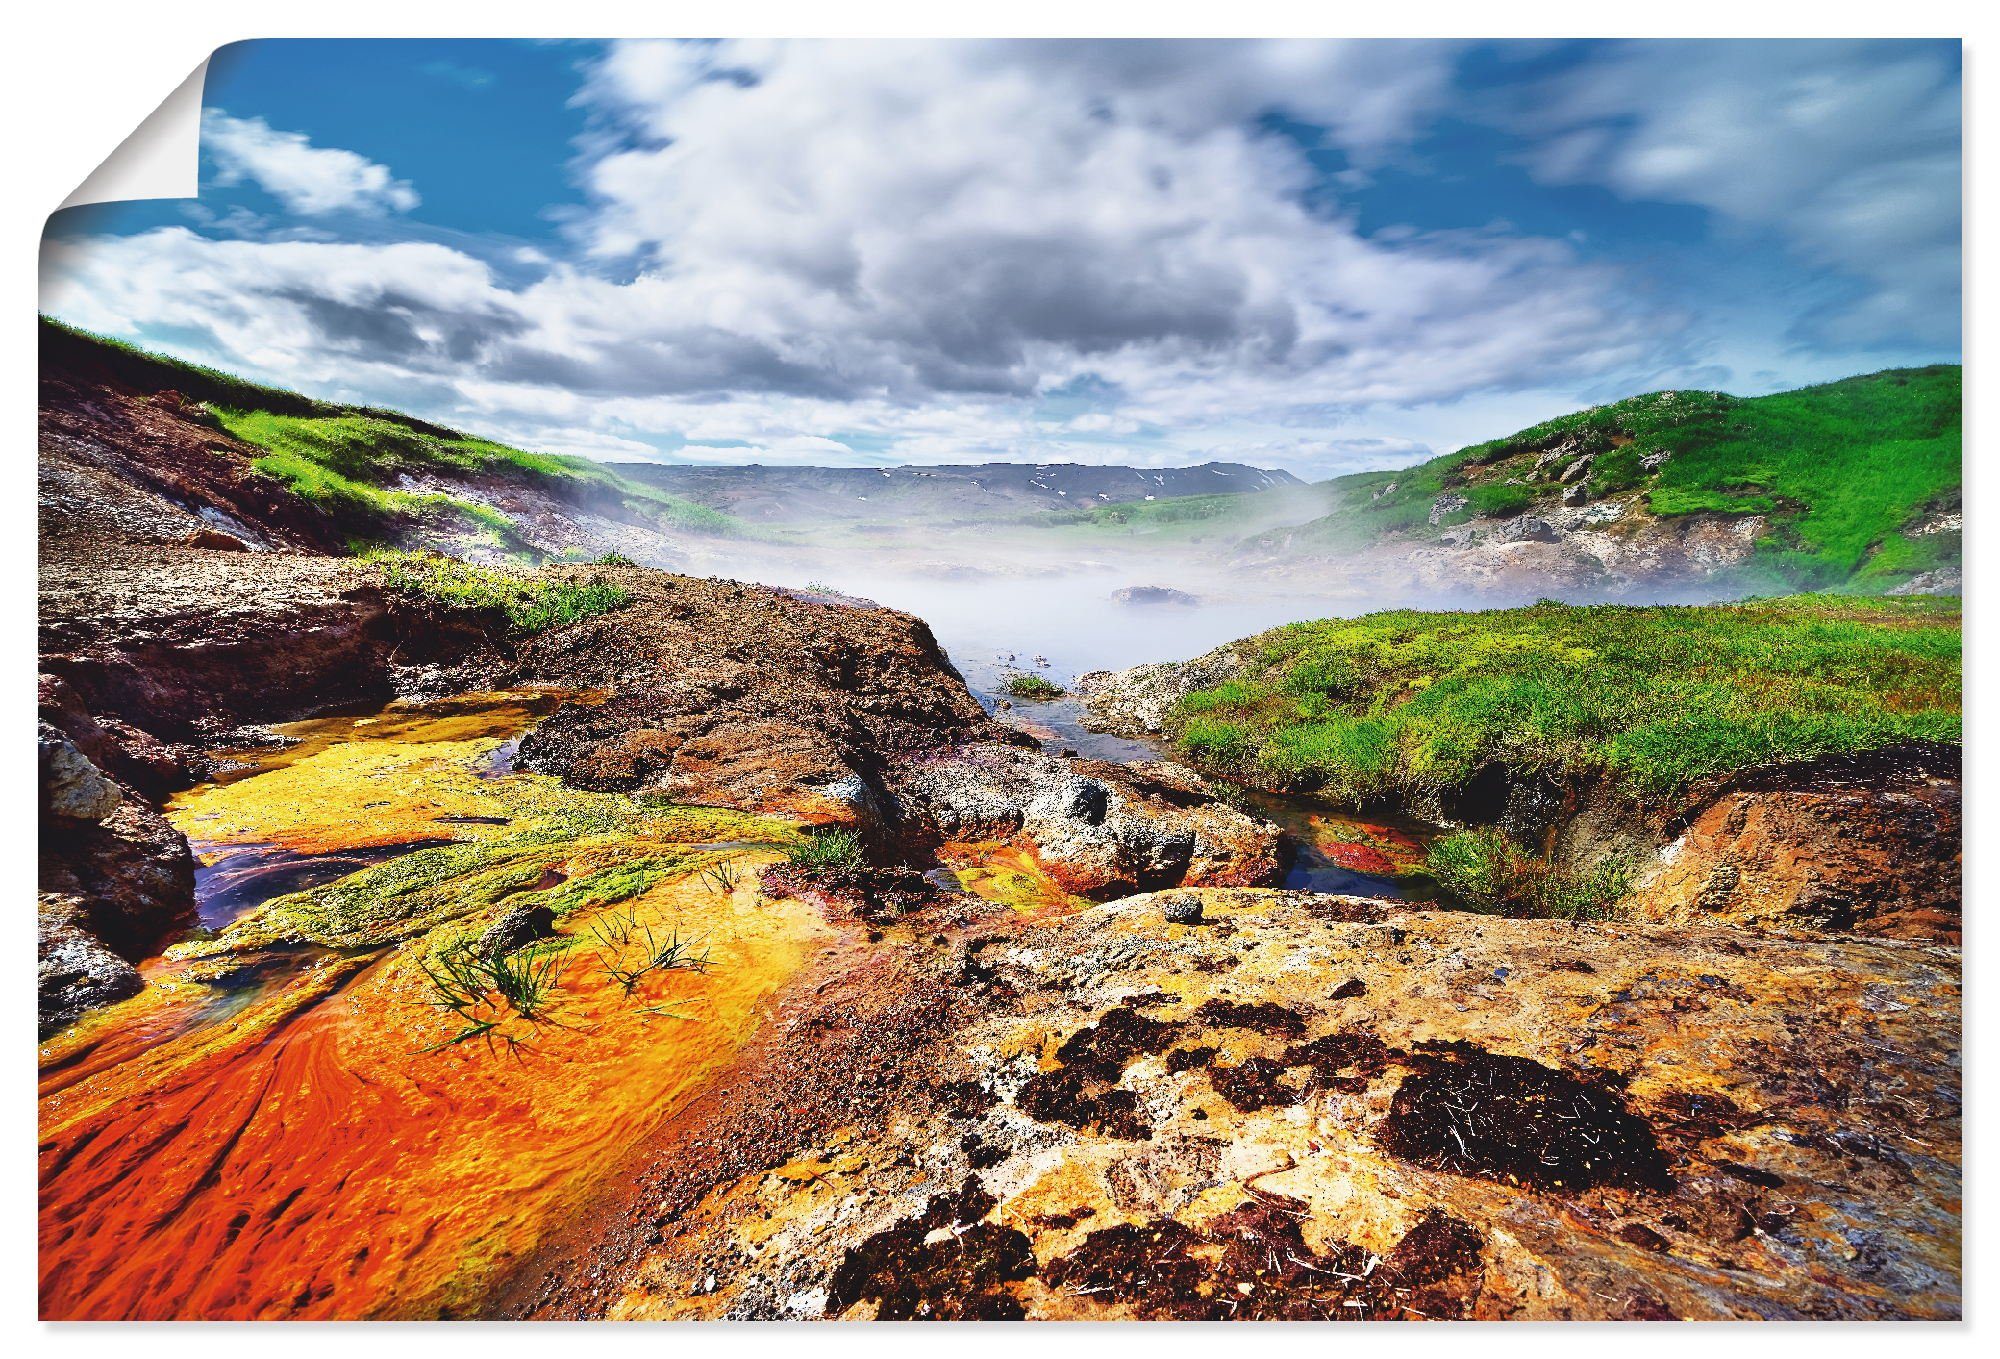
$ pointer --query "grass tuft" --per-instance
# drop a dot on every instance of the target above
(532, 603)
(1033, 688)
(830, 850)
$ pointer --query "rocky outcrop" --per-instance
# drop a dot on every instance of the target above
(746, 696)
(1324, 1107)
(1870, 843)
(1099, 829)
(1136, 702)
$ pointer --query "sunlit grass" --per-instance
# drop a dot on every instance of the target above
(1406, 702)
(533, 602)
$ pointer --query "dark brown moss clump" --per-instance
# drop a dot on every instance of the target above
(1253, 1264)
(962, 1277)
(1263, 1017)
(1082, 1092)
(1473, 1112)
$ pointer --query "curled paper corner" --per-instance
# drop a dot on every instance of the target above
(160, 159)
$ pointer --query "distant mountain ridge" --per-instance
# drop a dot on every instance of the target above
(761, 494)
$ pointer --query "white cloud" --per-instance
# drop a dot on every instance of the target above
(916, 243)
(307, 179)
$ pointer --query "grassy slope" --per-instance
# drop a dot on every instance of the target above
(1842, 469)
(346, 459)
(1407, 702)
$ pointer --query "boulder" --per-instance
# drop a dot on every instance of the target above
(74, 971)
(1097, 828)
(515, 929)
(72, 787)
(1152, 594)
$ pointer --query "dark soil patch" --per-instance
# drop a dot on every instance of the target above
(961, 1277)
(1507, 1119)
(1082, 1092)
(1263, 1017)
(1254, 1264)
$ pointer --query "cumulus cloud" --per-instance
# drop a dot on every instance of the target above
(918, 243)
(1849, 150)
(307, 179)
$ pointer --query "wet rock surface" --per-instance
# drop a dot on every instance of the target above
(1126, 1117)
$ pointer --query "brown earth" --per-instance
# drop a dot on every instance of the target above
(1866, 843)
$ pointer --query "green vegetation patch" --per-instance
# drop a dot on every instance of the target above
(828, 850)
(1484, 870)
(347, 460)
(533, 602)
(1842, 472)
(1407, 703)
(1033, 688)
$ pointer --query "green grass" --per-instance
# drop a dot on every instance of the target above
(1485, 871)
(1398, 705)
(532, 602)
(1033, 688)
(1841, 471)
(833, 850)
(345, 461)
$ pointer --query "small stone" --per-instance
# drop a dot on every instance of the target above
(1183, 911)
(516, 929)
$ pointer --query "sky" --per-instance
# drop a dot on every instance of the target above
(1317, 256)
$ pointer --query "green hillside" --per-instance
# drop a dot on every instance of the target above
(348, 461)
(1843, 471)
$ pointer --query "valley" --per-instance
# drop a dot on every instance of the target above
(476, 883)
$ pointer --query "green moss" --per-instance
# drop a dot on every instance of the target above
(532, 602)
(1404, 703)
(590, 849)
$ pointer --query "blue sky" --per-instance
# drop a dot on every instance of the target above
(1321, 256)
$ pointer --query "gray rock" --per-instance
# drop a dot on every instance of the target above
(1653, 462)
(1526, 529)
(1182, 910)
(1578, 494)
(1577, 470)
(517, 929)
(73, 787)
(1152, 594)
(74, 970)
(1445, 506)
